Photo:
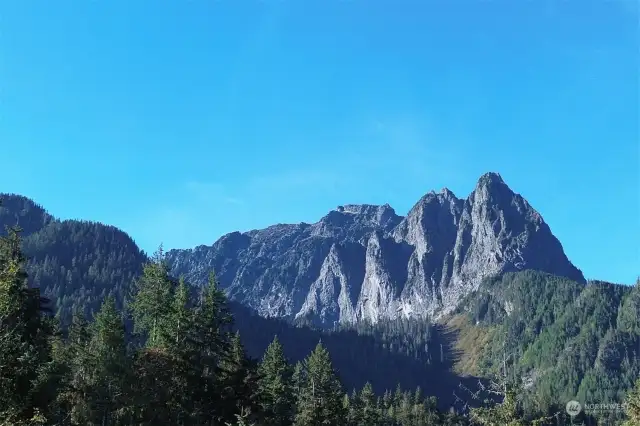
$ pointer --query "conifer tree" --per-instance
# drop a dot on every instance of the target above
(397, 396)
(214, 319)
(182, 351)
(275, 385)
(152, 297)
(320, 401)
(180, 320)
(212, 330)
(506, 413)
(25, 339)
(169, 380)
(349, 410)
(70, 357)
(387, 399)
(164, 322)
(352, 408)
(297, 379)
(107, 369)
(239, 383)
(153, 387)
(632, 406)
(242, 419)
(369, 415)
(56, 376)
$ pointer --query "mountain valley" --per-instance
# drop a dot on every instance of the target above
(436, 299)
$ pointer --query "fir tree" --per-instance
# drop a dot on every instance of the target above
(182, 351)
(297, 380)
(239, 383)
(275, 385)
(368, 410)
(352, 408)
(152, 297)
(632, 406)
(320, 401)
(70, 357)
(212, 330)
(107, 369)
(25, 339)
(506, 413)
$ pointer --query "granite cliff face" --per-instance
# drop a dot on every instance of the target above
(364, 262)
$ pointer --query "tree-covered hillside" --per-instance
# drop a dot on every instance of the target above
(556, 340)
(74, 263)
(187, 367)
(77, 264)
(22, 211)
(567, 341)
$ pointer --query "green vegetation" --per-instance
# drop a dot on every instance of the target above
(565, 340)
(188, 367)
(131, 345)
(633, 406)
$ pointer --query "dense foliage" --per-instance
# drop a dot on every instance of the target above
(75, 263)
(382, 355)
(566, 340)
(131, 345)
(187, 367)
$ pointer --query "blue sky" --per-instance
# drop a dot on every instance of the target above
(180, 121)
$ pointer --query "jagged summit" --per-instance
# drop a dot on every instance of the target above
(491, 178)
(447, 193)
(365, 262)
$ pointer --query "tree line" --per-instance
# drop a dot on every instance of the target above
(169, 356)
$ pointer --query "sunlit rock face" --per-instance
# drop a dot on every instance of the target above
(364, 262)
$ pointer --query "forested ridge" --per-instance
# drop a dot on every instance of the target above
(564, 341)
(186, 367)
(75, 263)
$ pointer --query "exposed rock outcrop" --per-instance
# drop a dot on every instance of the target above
(366, 262)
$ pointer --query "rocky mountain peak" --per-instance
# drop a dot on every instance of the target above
(383, 215)
(447, 194)
(490, 179)
(363, 261)
(356, 221)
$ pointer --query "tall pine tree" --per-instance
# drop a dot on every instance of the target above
(151, 300)
(239, 384)
(213, 330)
(320, 400)
(632, 405)
(159, 385)
(104, 374)
(25, 339)
(275, 385)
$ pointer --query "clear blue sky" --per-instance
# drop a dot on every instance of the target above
(180, 121)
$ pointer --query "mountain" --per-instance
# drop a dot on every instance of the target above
(566, 338)
(22, 211)
(567, 341)
(365, 262)
(75, 263)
